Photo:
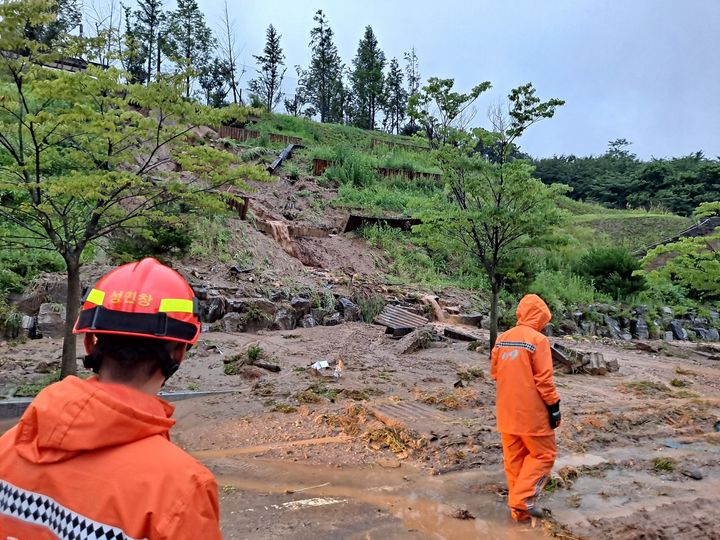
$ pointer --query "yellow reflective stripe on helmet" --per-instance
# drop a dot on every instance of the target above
(95, 297)
(176, 305)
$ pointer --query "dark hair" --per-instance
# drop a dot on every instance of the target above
(128, 358)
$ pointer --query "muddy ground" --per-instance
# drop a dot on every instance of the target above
(397, 448)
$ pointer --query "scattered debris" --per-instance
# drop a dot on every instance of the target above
(575, 361)
(399, 321)
(462, 513)
(285, 154)
(415, 340)
(461, 335)
(325, 369)
(695, 474)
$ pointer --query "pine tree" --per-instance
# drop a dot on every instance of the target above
(188, 40)
(214, 80)
(142, 38)
(412, 71)
(367, 80)
(68, 16)
(323, 79)
(395, 98)
(271, 71)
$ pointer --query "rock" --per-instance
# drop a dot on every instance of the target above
(695, 474)
(485, 323)
(642, 309)
(677, 330)
(470, 319)
(200, 292)
(302, 306)
(56, 291)
(233, 323)
(30, 302)
(601, 308)
(665, 310)
(308, 322)
(213, 309)
(349, 310)
(568, 326)
(714, 315)
(284, 320)
(701, 333)
(639, 328)
(613, 328)
(415, 340)
(588, 328)
(668, 336)
(332, 320)
(713, 334)
(45, 367)
(279, 295)
(51, 320)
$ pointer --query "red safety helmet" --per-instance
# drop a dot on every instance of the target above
(144, 299)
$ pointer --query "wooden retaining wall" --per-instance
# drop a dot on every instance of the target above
(242, 134)
(374, 143)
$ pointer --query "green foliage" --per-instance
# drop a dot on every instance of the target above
(661, 464)
(271, 71)
(254, 353)
(370, 305)
(562, 290)
(31, 389)
(367, 81)
(612, 270)
(19, 267)
(164, 238)
(691, 263)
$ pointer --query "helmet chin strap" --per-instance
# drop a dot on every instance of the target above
(168, 368)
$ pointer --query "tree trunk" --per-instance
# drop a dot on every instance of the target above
(494, 314)
(72, 308)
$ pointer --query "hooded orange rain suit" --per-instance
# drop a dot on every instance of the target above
(521, 365)
(91, 460)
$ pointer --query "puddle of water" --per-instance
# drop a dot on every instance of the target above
(423, 503)
(263, 448)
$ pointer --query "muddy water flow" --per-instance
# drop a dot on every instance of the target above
(423, 503)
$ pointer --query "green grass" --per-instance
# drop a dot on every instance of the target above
(31, 389)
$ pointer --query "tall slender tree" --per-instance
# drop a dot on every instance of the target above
(229, 53)
(67, 15)
(142, 36)
(395, 98)
(188, 40)
(271, 71)
(412, 71)
(323, 79)
(367, 80)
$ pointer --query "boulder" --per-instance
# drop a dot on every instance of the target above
(56, 291)
(613, 328)
(233, 323)
(568, 326)
(706, 334)
(470, 319)
(200, 292)
(30, 301)
(349, 310)
(713, 334)
(51, 320)
(666, 311)
(639, 328)
(308, 322)
(284, 320)
(302, 306)
(668, 336)
(332, 320)
(677, 330)
(279, 295)
(213, 309)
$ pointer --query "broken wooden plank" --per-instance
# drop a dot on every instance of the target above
(461, 335)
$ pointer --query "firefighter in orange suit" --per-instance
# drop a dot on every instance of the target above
(527, 406)
(92, 459)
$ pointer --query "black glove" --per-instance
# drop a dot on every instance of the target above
(555, 416)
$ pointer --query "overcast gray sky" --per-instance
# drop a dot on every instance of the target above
(644, 70)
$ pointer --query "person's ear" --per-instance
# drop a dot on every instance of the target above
(178, 352)
(89, 341)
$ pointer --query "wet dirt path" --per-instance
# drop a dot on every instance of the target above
(278, 499)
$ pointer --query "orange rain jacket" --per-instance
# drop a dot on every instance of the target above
(521, 364)
(90, 460)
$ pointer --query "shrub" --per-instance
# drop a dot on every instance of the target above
(254, 353)
(293, 172)
(160, 239)
(352, 170)
(612, 270)
(370, 304)
(561, 290)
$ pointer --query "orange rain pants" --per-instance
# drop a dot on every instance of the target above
(528, 462)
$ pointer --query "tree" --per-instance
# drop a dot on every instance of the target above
(437, 108)
(142, 39)
(367, 80)
(229, 52)
(395, 99)
(412, 71)
(323, 78)
(496, 208)
(692, 263)
(188, 40)
(271, 71)
(67, 16)
(214, 81)
(78, 161)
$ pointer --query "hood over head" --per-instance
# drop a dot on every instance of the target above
(76, 415)
(533, 312)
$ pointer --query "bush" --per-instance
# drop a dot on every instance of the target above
(560, 290)
(612, 271)
(352, 170)
(161, 239)
(20, 266)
